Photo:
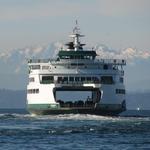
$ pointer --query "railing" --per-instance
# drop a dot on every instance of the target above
(40, 60)
(67, 61)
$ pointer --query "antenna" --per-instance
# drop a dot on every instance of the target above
(76, 22)
(76, 28)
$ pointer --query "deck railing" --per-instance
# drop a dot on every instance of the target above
(67, 61)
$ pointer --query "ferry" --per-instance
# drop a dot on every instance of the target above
(76, 69)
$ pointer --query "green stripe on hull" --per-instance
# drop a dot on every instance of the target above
(74, 111)
(43, 106)
(48, 109)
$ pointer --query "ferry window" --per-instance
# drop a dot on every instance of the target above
(85, 57)
(88, 78)
(76, 78)
(105, 67)
(95, 79)
(30, 91)
(59, 78)
(123, 91)
(71, 57)
(31, 79)
(121, 79)
(34, 91)
(37, 91)
(47, 79)
(82, 57)
(106, 80)
(35, 66)
(71, 78)
(120, 91)
(45, 67)
(65, 79)
(117, 91)
(82, 78)
(75, 57)
(88, 57)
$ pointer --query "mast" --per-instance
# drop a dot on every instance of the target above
(75, 44)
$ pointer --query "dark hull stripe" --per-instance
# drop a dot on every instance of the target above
(76, 111)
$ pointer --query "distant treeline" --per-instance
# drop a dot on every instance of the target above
(12, 99)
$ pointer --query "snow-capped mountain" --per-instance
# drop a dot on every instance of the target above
(128, 53)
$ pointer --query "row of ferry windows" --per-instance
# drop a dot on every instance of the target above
(77, 79)
(103, 80)
(33, 91)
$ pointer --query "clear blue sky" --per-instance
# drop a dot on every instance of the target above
(117, 23)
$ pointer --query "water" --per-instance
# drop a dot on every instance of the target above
(73, 132)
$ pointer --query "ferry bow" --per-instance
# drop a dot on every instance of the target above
(76, 69)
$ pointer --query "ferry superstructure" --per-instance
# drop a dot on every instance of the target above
(76, 69)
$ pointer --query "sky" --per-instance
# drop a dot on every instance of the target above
(119, 24)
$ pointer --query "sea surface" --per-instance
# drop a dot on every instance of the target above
(22, 131)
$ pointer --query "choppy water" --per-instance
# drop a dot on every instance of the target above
(77, 132)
